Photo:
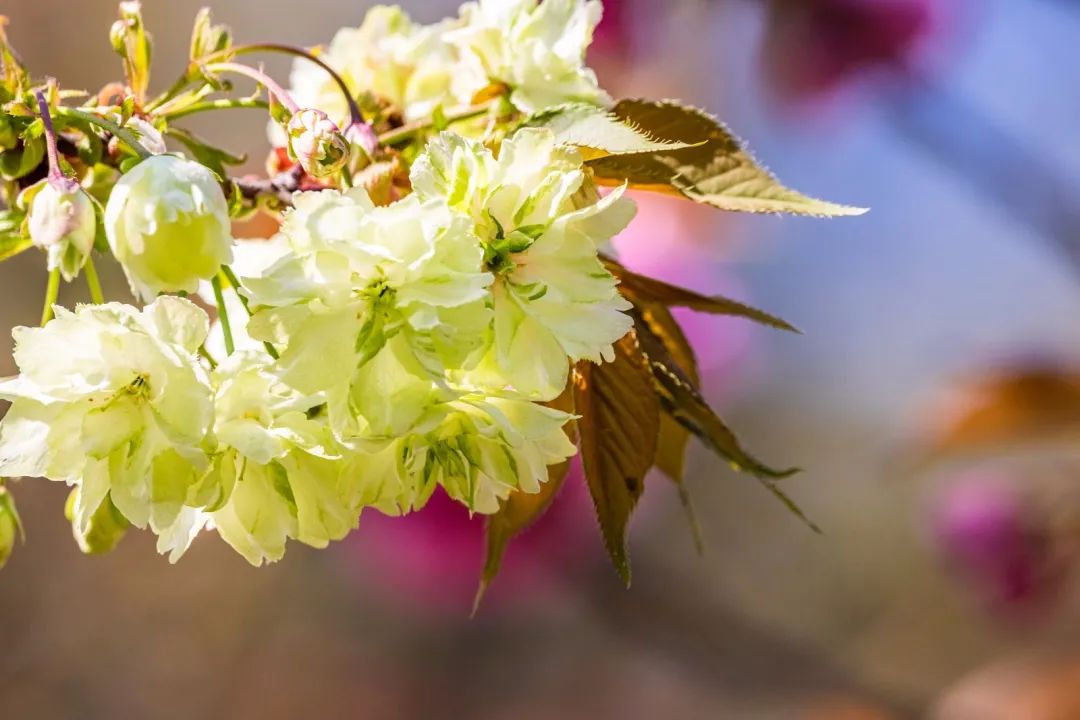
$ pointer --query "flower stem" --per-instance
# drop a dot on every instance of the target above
(234, 283)
(52, 292)
(222, 104)
(223, 314)
(108, 126)
(55, 172)
(205, 354)
(355, 114)
(260, 77)
(92, 282)
(408, 132)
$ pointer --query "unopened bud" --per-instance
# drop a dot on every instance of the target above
(145, 133)
(104, 529)
(363, 142)
(118, 35)
(167, 222)
(316, 143)
(208, 38)
(10, 525)
(63, 222)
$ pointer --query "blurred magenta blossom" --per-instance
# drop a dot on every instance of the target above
(997, 541)
(433, 558)
(815, 47)
(690, 237)
(613, 35)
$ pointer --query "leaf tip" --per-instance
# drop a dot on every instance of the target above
(481, 590)
(625, 575)
(691, 518)
(847, 210)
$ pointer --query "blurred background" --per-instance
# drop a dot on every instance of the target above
(930, 401)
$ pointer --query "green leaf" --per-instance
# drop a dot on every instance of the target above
(602, 133)
(13, 76)
(212, 157)
(618, 429)
(644, 290)
(208, 38)
(131, 41)
(23, 159)
(105, 530)
(720, 172)
(12, 239)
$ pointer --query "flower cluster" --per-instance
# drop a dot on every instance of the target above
(537, 49)
(444, 199)
(391, 350)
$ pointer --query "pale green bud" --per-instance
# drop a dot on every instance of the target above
(104, 530)
(10, 526)
(63, 222)
(167, 222)
(130, 40)
(316, 143)
(118, 36)
(208, 38)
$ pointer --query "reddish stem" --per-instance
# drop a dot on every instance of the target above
(55, 171)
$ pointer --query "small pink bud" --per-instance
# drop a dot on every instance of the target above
(363, 143)
(63, 222)
(316, 143)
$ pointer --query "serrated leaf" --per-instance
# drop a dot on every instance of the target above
(685, 404)
(671, 451)
(598, 132)
(721, 172)
(618, 428)
(674, 438)
(671, 448)
(644, 290)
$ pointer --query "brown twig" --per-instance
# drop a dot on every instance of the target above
(281, 187)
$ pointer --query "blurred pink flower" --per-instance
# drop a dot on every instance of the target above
(433, 558)
(680, 244)
(813, 47)
(995, 540)
(613, 34)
